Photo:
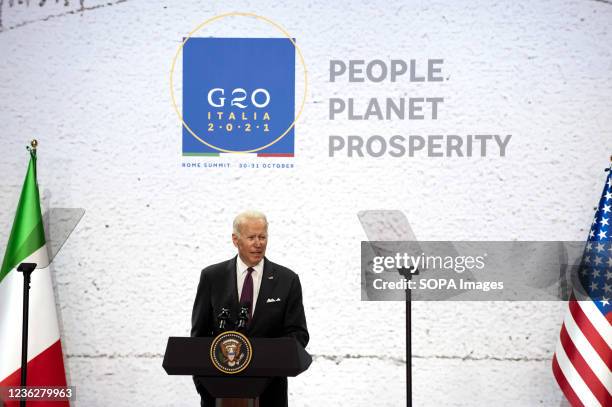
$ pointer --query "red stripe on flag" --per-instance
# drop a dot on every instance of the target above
(570, 395)
(46, 369)
(591, 333)
(583, 369)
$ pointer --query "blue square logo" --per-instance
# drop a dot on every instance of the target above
(238, 96)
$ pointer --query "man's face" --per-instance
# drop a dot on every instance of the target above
(252, 241)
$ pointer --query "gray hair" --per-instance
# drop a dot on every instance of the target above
(247, 215)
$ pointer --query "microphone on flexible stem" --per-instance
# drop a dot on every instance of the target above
(243, 317)
(224, 315)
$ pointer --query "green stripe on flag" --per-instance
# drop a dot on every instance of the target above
(28, 234)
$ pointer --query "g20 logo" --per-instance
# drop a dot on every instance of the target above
(239, 96)
(260, 98)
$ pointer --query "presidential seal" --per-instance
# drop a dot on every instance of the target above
(231, 352)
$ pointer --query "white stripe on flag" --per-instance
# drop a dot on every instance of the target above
(40, 257)
(574, 379)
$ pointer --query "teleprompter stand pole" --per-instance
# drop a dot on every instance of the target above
(408, 273)
(26, 269)
(408, 349)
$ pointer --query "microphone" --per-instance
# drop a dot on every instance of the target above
(243, 317)
(223, 316)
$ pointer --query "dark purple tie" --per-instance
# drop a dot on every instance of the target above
(246, 297)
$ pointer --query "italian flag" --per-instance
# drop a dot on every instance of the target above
(27, 244)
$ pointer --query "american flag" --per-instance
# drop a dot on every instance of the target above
(582, 363)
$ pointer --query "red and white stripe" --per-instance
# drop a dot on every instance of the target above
(582, 363)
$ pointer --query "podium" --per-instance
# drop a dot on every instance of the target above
(271, 357)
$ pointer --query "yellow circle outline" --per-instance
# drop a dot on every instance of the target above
(216, 340)
(211, 20)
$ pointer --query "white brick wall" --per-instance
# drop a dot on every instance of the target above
(91, 82)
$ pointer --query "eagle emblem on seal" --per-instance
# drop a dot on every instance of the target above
(231, 351)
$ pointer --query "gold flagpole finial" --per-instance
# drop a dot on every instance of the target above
(34, 144)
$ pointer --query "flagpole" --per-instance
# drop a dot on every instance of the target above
(26, 269)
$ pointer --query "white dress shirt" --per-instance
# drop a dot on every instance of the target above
(241, 273)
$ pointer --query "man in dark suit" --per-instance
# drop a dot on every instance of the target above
(272, 293)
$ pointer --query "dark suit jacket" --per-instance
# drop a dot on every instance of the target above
(218, 289)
